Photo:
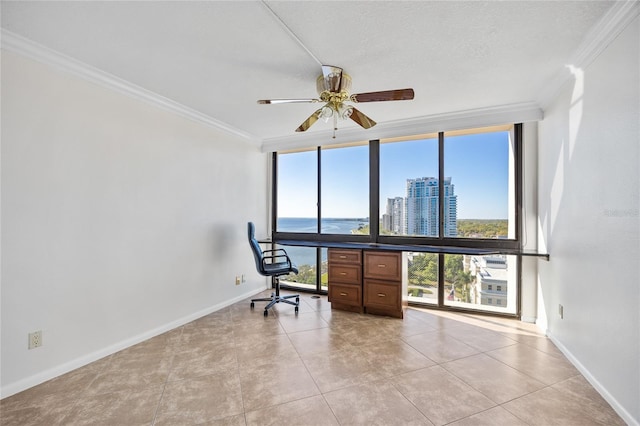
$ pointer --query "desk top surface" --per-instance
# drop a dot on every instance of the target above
(406, 247)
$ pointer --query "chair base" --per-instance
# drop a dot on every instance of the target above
(276, 298)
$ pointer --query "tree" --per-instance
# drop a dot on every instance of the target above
(423, 269)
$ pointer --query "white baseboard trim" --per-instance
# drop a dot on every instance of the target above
(531, 320)
(43, 376)
(622, 412)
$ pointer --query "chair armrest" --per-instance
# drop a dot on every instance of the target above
(277, 253)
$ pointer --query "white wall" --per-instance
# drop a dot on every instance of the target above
(119, 220)
(589, 221)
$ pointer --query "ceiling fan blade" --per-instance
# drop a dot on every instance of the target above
(309, 121)
(361, 119)
(287, 101)
(332, 78)
(385, 95)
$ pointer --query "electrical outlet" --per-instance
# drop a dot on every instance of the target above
(35, 339)
(237, 280)
(561, 311)
(243, 278)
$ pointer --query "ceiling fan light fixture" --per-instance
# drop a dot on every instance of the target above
(345, 111)
(326, 113)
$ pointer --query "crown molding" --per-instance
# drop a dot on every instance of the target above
(459, 120)
(617, 18)
(17, 44)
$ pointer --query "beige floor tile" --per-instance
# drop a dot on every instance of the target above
(375, 403)
(200, 400)
(312, 411)
(409, 326)
(440, 395)
(54, 393)
(496, 380)
(479, 338)
(132, 370)
(367, 333)
(33, 416)
(440, 346)
(194, 336)
(275, 383)
(255, 351)
(237, 420)
(579, 389)
(337, 318)
(317, 341)
(302, 322)
(550, 407)
(394, 357)
(317, 303)
(496, 416)
(339, 369)
(535, 340)
(204, 361)
(134, 407)
(255, 323)
(547, 368)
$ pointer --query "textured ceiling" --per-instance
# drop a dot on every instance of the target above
(219, 57)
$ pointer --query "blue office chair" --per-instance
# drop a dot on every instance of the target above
(272, 263)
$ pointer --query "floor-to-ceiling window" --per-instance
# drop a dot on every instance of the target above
(455, 189)
(321, 191)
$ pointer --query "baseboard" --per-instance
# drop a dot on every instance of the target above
(622, 412)
(59, 370)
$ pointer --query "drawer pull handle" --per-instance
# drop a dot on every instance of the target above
(382, 266)
(343, 257)
(342, 293)
(343, 273)
(381, 295)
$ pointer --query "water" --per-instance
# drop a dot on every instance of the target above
(306, 255)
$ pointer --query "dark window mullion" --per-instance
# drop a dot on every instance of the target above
(319, 189)
(441, 186)
(274, 193)
(319, 214)
(441, 217)
(374, 190)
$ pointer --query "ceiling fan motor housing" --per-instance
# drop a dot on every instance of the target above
(325, 84)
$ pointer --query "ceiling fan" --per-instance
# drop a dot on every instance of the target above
(333, 87)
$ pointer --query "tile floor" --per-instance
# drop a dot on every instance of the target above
(323, 367)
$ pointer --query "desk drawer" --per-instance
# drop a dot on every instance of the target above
(381, 294)
(382, 265)
(345, 294)
(346, 274)
(345, 256)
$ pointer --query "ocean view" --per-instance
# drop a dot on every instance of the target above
(305, 255)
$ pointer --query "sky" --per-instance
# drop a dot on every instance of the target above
(478, 165)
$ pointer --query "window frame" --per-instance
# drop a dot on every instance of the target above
(507, 246)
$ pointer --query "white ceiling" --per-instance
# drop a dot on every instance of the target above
(219, 57)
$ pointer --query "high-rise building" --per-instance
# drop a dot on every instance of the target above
(422, 211)
(393, 219)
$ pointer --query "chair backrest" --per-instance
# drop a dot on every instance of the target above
(255, 247)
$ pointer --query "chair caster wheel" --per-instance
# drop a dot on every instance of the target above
(252, 305)
(266, 313)
(296, 309)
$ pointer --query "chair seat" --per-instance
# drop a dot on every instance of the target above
(280, 268)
